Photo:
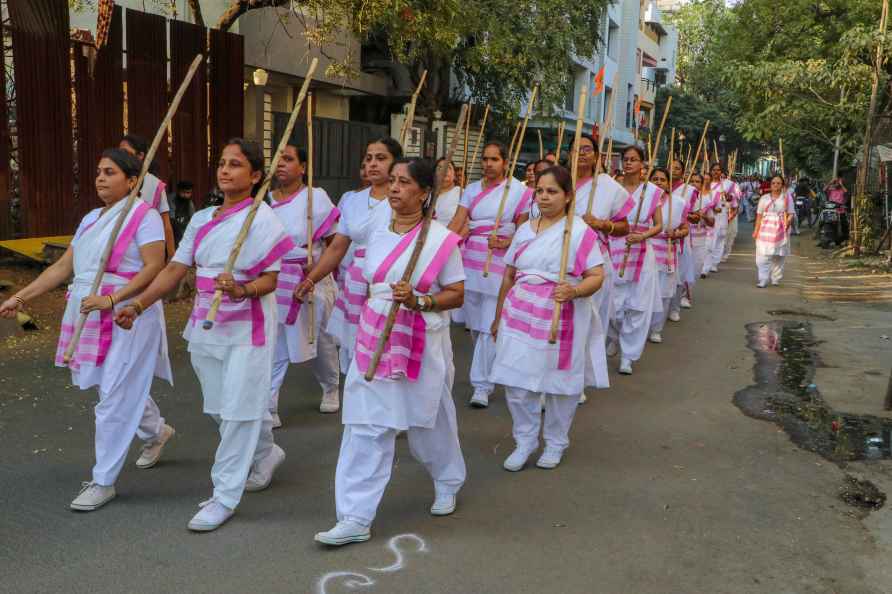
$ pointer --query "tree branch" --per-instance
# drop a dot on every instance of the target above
(240, 7)
(196, 12)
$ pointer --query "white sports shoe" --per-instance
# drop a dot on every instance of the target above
(262, 473)
(516, 460)
(331, 402)
(686, 303)
(761, 284)
(443, 505)
(277, 421)
(93, 496)
(625, 367)
(151, 452)
(211, 516)
(675, 316)
(582, 398)
(344, 532)
(550, 458)
(612, 348)
(480, 399)
(655, 337)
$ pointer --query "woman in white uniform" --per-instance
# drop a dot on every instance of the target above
(412, 387)
(153, 190)
(636, 295)
(700, 218)
(687, 275)
(526, 364)
(362, 212)
(120, 364)
(233, 359)
(450, 194)
(774, 215)
(478, 209)
(676, 229)
(289, 202)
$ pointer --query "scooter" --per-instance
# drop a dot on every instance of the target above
(833, 224)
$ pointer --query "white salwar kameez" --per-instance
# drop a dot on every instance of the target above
(122, 374)
(375, 411)
(726, 195)
(293, 335)
(154, 192)
(704, 204)
(667, 260)
(482, 292)
(636, 295)
(360, 216)
(233, 360)
(773, 240)
(687, 272)
(526, 364)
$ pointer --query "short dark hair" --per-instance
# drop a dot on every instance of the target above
(421, 170)
(503, 150)
(635, 148)
(662, 170)
(139, 144)
(301, 153)
(128, 163)
(393, 146)
(252, 151)
(184, 185)
(589, 137)
(560, 175)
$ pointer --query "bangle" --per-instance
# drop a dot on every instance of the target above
(138, 307)
(111, 300)
(254, 292)
(432, 304)
(244, 293)
(612, 227)
(575, 292)
(20, 300)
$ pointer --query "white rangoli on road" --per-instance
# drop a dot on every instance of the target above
(354, 580)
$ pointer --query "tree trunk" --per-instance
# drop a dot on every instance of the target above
(196, 12)
(240, 7)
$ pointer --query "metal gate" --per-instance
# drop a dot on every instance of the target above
(338, 149)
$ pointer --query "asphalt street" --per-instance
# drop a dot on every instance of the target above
(666, 488)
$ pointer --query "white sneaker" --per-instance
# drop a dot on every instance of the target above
(93, 496)
(686, 303)
(542, 402)
(655, 337)
(443, 505)
(480, 399)
(550, 458)
(211, 516)
(714, 269)
(516, 460)
(761, 284)
(331, 402)
(775, 284)
(625, 367)
(262, 473)
(277, 421)
(675, 316)
(344, 532)
(612, 348)
(582, 399)
(151, 452)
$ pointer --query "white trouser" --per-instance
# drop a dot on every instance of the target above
(481, 364)
(770, 268)
(366, 461)
(675, 302)
(729, 239)
(325, 366)
(698, 250)
(658, 320)
(121, 413)
(242, 444)
(715, 246)
(526, 413)
(631, 328)
(748, 210)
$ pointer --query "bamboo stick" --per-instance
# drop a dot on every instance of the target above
(476, 149)
(571, 213)
(650, 168)
(312, 311)
(416, 250)
(131, 200)
(607, 128)
(668, 224)
(541, 146)
(246, 225)
(464, 164)
(410, 113)
(560, 141)
(510, 178)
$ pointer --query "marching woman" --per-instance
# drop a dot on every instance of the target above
(233, 359)
(478, 209)
(526, 363)
(676, 229)
(293, 345)
(737, 197)
(361, 212)
(773, 218)
(701, 217)
(687, 273)
(725, 201)
(153, 190)
(450, 194)
(120, 364)
(412, 387)
(636, 296)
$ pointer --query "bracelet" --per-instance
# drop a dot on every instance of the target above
(20, 301)
(575, 292)
(432, 304)
(244, 294)
(254, 291)
(111, 300)
(612, 227)
(138, 307)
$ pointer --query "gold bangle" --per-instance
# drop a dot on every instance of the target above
(139, 307)
(612, 227)
(20, 300)
(255, 290)
(111, 299)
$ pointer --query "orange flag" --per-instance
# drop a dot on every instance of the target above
(638, 105)
(599, 82)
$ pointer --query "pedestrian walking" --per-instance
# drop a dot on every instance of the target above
(675, 228)
(772, 233)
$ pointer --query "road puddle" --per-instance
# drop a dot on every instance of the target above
(785, 393)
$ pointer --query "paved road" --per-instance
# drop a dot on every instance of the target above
(667, 488)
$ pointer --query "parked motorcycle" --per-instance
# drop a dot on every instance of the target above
(833, 224)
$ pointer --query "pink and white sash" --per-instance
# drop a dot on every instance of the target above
(353, 289)
(404, 351)
(96, 336)
(652, 197)
(773, 230)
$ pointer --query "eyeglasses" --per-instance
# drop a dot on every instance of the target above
(631, 160)
(586, 150)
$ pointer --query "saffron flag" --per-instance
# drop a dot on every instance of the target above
(638, 105)
(599, 82)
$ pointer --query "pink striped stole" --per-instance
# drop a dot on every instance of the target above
(247, 311)
(479, 197)
(475, 248)
(214, 222)
(354, 290)
(290, 276)
(772, 230)
(638, 250)
(526, 202)
(159, 190)
(404, 351)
